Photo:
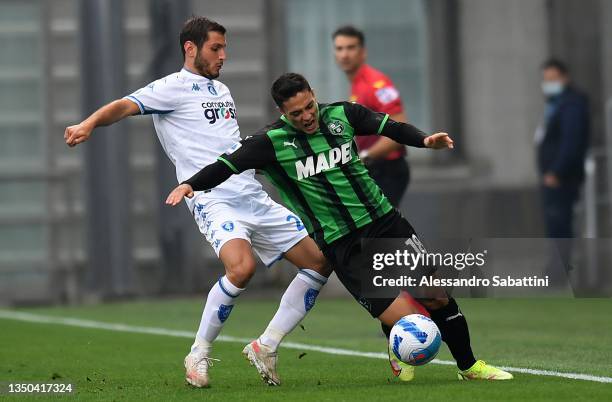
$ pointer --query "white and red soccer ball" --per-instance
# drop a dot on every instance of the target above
(415, 339)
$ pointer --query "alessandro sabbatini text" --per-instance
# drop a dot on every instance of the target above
(408, 265)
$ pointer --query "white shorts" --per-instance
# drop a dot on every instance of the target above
(270, 228)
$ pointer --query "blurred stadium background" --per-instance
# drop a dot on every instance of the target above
(89, 223)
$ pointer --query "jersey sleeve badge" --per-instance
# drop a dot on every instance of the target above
(387, 95)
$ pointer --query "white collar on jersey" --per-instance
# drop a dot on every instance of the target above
(193, 75)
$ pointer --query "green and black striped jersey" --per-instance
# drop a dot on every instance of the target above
(319, 176)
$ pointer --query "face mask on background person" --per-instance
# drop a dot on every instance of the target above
(552, 88)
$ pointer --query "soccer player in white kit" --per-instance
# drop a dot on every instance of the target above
(195, 119)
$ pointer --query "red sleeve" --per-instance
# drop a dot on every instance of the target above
(383, 96)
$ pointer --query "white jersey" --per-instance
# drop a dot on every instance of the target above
(195, 121)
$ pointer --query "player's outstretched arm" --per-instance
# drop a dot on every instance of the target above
(254, 152)
(367, 121)
(407, 134)
(106, 115)
(209, 177)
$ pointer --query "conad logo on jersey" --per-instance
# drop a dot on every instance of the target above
(215, 111)
(324, 161)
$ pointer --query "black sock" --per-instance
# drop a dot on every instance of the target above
(455, 333)
(386, 329)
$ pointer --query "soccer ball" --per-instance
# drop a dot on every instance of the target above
(415, 339)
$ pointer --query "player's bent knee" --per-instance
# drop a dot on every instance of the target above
(322, 267)
(239, 261)
(306, 254)
(240, 273)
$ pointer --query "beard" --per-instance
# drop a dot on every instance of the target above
(350, 68)
(203, 67)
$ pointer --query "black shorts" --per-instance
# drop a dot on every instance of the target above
(348, 261)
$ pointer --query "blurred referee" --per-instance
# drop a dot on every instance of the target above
(384, 158)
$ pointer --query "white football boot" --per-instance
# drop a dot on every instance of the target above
(196, 369)
(264, 360)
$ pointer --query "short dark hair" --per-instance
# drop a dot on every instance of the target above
(196, 30)
(556, 64)
(287, 86)
(349, 30)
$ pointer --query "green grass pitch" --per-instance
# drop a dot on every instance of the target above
(559, 335)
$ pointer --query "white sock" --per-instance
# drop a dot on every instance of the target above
(297, 300)
(219, 304)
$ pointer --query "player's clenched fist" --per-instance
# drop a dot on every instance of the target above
(176, 196)
(74, 135)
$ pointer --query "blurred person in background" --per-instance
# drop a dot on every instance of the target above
(384, 158)
(195, 119)
(562, 141)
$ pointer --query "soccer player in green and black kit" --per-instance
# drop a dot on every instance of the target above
(310, 157)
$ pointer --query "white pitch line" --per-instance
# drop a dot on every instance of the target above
(77, 322)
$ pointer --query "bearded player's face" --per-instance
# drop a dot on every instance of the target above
(349, 53)
(302, 111)
(210, 57)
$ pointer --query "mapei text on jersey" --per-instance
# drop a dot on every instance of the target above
(324, 161)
